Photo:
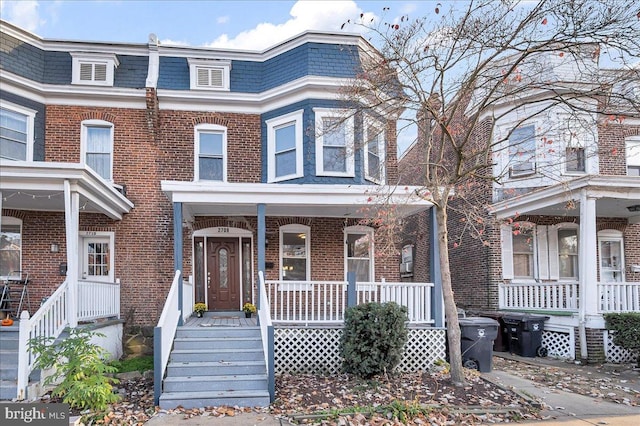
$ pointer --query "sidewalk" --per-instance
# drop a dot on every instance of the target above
(242, 419)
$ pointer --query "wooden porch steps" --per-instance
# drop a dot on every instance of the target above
(216, 362)
(8, 362)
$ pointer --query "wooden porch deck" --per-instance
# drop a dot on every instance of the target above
(221, 319)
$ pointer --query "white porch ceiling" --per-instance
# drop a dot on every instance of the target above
(306, 200)
(613, 194)
(39, 186)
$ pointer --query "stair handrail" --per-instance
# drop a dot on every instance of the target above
(47, 323)
(267, 333)
(163, 335)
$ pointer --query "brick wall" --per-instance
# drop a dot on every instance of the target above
(611, 146)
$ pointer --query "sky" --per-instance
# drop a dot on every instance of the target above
(247, 25)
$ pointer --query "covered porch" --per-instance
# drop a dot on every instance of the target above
(605, 212)
(29, 189)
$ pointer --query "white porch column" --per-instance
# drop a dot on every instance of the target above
(588, 270)
(72, 219)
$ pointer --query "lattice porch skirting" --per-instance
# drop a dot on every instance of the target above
(309, 350)
(560, 342)
(615, 353)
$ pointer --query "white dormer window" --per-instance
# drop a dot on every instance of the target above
(209, 74)
(96, 69)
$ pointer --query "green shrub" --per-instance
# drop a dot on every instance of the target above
(373, 338)
(626, 328)
(141, 364)
(79, 369)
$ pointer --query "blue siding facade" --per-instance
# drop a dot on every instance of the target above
(317, 59)
(39, 121)
(21, 58)
(132, 72)
(309, 144)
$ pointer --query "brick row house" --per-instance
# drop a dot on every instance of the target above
(562, 223)
(129, 170)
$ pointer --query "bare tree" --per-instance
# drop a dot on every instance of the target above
(455, 74)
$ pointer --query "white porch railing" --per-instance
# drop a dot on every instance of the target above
(551, 296)
(98, 299)
(311, 302)
(267, 333)
(187, 299)
(47, 323)
(164, 333)
(619, 297)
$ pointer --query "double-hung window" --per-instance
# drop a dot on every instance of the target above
(522, 151)
(334, 142)
(16, 132)
(284, 146)
(359, 252)
(10, 246)
(97, 147)
(210, 152)
(374, 157)
(568, 253)
(523, 254)
(294, 253)
(633, 156)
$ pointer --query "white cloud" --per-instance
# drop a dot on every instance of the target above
(222, 19)
(168, 41)
(305, 15)
(22, 13)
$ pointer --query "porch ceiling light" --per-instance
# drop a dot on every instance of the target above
(634, 208)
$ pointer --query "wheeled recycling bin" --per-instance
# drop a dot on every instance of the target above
(476, 341)
(524, 333)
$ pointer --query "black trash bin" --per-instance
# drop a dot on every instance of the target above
(476, 342)
(501, 344)
(524, 333)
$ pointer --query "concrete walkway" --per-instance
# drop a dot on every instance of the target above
(242, 419)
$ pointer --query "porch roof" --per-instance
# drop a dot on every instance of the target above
(39, 186)
(614, 195)
(307, 200)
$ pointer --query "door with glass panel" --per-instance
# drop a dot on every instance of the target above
(223, 277)
(611, 259)
(97, 262)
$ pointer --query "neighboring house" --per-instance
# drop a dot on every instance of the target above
(128, 167)
(562, 235)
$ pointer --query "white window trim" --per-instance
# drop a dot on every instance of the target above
(633, 141)
(507, 253)
(611, 235)
(224, 66)
(31, 116)
(291, 229)
(78, 58)
(196, 137)
(83, 143)
(535, 160)
(272, 125)
(359, 229)
(8, 220)
(553, 238)
(98, 235)
(382, 153)
(347, 116)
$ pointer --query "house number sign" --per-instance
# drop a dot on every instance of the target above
(223, 230)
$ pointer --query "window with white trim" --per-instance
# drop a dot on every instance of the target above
(284, 147)
(568, 253)
(10, 246)
(633, 156)
(96, 69)
(16, 132)
(374, 155)
(294, 253)
(522, 151)
(209, 74)
(210, 152)
(359, 252)
(523, 253)
(575, 160)
(611, 255)
(97, 147)
(334, 142)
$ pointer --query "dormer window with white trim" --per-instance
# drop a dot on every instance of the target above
(95, 69)
(209, 74)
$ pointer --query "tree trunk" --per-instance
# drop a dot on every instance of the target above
(450, 309)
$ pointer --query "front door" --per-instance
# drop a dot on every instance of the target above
(223, 278)
(97, 259)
